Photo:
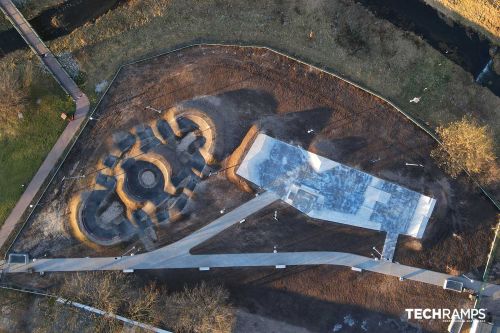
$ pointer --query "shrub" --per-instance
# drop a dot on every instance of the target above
(12, 101)
(465, 145)
(201, 309)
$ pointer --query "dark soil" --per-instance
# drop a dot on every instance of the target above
(284, 99)
(317, 298)
(293, 232)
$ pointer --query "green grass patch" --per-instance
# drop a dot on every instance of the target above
(22, 155)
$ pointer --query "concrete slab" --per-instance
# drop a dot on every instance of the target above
(331, 191)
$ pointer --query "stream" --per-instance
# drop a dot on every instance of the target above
(459, 44)
(58, 21)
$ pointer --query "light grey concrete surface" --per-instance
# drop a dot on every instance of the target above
(330, 191)
(177, 255)
(391, 240)
(64, 141)
(167, 258)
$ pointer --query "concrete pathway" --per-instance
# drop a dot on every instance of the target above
(391, 240)
(166, 259)
(177, 255)
(217, 226)
(64, 141)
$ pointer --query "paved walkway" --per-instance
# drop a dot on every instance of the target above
(177, 255)
(391, 241)
(57, 151)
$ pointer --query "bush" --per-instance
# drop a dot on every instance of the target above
(201, 309)
(12, 101)
(351, 39)
(145, 307)
(466, 145)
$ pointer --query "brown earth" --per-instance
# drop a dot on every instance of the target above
(293, 232)
(318, 298)
(313, 298)
(284, 99)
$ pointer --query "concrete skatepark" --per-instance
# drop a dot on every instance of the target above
(177, 255)
(146, 177)
(143, 185)
(146, 181)
(327, 190)
(154, 136)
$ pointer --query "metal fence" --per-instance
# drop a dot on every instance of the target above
(410, 117)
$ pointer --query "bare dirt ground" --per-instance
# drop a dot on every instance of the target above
(249, 322)
(293, 231)
(284, 99)
(297, 299)
(318, 298)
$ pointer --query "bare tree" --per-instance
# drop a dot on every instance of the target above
(106, 291)
(58, 317)
(201, 309)
(12, 99)
(145, 307)
(467, 145)
(112, 292)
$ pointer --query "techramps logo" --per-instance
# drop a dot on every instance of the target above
(446, 315)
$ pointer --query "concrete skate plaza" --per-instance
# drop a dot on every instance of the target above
(327, 190)
(144, 181)
(221, 98)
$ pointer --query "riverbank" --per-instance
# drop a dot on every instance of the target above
(482, 16)
(462, 45)
(52, 19)
(467, 48)
(341, 36)
(30, 10)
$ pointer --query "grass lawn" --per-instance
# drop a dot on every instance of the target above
(21, 155)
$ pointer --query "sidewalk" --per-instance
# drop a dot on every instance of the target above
(64, 141)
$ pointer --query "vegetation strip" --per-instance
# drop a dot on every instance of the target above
(89, 309)
(82, 108)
